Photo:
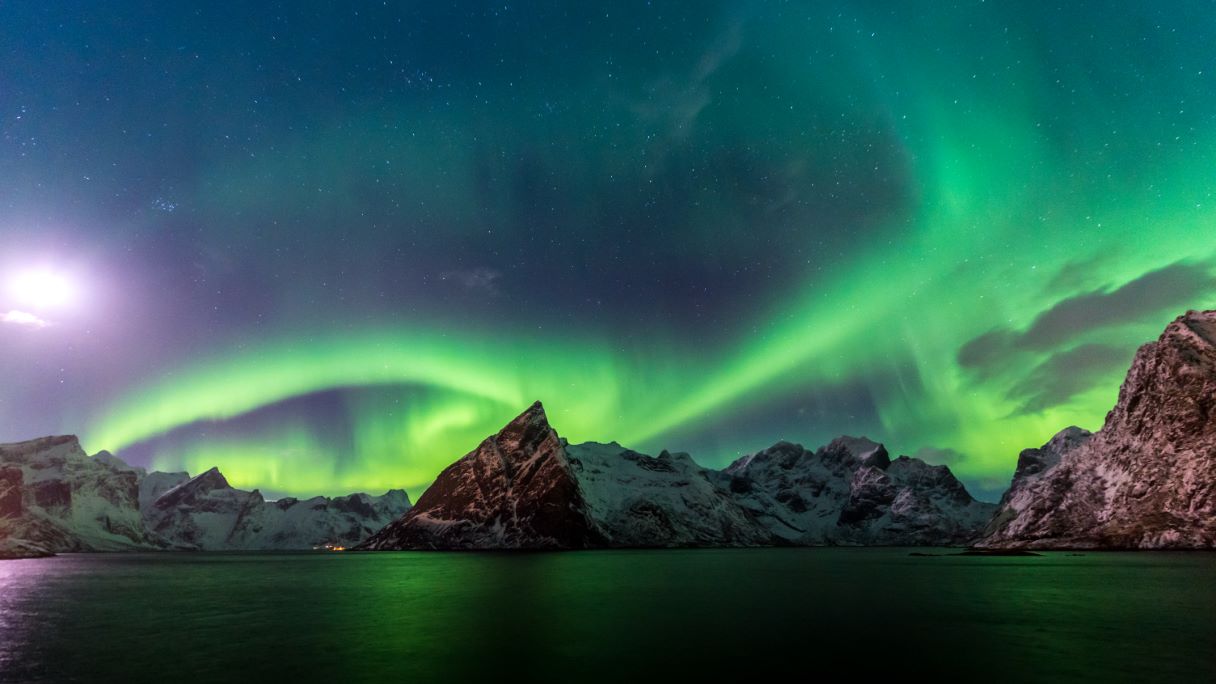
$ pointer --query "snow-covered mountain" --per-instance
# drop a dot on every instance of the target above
(205, 513)
(525, 487)
(1147, 479)
(59, 499)
(637, 500)
(54, 497)
(851, 492)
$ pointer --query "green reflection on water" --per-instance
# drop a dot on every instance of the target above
(606, 615)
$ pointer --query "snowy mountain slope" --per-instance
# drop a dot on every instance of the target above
(850, 492)
(638, 500)
(70, 502)
(155, 483)
(206, 513)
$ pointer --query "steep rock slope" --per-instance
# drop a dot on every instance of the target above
(1147, 479)
(514, 491)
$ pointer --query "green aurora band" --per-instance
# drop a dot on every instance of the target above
(1003, 212)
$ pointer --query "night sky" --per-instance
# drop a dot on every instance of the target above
(331, 246)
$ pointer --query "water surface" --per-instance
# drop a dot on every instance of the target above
(606, 615)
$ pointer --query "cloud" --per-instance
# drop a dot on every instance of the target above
(24, 319)
(1176, 287)
(484, 280)
(1079, 273)
(1067, 374)
(984, 354)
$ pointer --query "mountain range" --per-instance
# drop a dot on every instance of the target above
(55, 498)
(527, 488)
(1146, 480)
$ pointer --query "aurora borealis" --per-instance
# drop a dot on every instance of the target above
(329, 248)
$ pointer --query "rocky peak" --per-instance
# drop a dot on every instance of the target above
(115, 463)
(515, 490)
(1169, 395)
(1201, 324)
(861, 449)
(354, 503)
(199, 485)
(1033, 462)
(156, 483)
(57, 449)
(783, 454)
(527, 432)
(396, 498)
(212, 479)
(936, 480)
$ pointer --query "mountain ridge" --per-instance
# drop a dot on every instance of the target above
(1146, 480)
(604, 495)
(56, 498)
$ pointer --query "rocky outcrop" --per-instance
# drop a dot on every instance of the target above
(1147, 479)
(11, 480)
(526, 488)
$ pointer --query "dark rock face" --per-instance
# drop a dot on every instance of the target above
(1147, 479)
(10, 492)
(52, 494)
(870, 494)
(1169, 397)
(515, 490)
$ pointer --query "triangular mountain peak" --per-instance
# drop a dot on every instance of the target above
(515, 490)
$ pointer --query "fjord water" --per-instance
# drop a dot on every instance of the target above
(606, 615)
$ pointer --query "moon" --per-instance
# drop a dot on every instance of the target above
(42, 289)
